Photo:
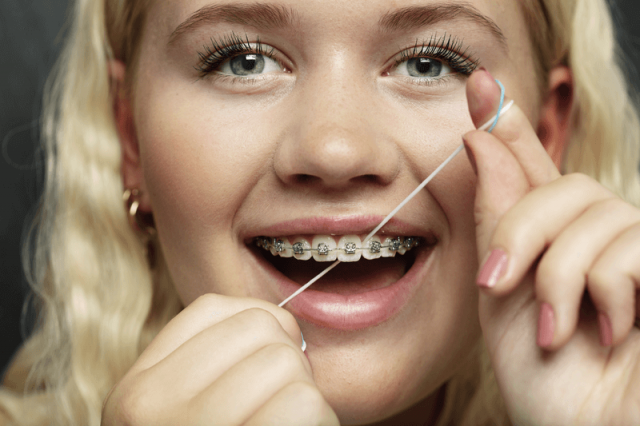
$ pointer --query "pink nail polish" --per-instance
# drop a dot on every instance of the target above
(546, 325)
(606, 332)
(492, 269)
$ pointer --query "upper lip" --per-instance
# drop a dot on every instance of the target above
(338, 225)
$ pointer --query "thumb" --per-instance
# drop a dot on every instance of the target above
(501, 179)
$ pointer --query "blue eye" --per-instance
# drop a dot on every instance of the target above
(434, 59)
(235, 56)
(423, 68)
(248, 64)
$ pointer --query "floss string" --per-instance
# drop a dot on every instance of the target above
(488, 126)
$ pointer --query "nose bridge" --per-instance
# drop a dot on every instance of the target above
(336, 139)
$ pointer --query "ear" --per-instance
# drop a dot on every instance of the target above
(554, 127)
(131, 169)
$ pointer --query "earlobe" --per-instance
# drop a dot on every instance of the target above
(131, 169)
(554, 127)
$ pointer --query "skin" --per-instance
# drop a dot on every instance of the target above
(367, 137)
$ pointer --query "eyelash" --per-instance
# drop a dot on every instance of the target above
(445, 48)
(228, 47)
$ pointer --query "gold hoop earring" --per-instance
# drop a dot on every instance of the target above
(131, 198)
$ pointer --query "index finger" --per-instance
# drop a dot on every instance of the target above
(206, 311)
(513, 129)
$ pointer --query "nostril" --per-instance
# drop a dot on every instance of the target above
(306, 179)
(371, 179)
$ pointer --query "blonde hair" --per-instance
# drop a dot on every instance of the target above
(100, 305)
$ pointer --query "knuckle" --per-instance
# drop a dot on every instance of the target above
(284, 358)
(548, 272)
(579, 179)
(204, 301)
(127, 405)
(613, 205)
(599, 276)
(309, 398)
(264, 320)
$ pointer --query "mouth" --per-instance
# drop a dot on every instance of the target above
(374, 281)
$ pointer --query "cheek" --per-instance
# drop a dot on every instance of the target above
(200, 160)
(198, 156)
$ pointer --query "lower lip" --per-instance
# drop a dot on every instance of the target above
(355, 311)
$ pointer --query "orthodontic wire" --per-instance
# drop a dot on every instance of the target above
(488, 126)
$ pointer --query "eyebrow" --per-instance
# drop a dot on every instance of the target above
(414, 17)
(267, 16)
(257, 15)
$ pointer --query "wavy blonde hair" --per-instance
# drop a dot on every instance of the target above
(100, 305)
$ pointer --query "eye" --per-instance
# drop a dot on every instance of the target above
(248, 64)
(422, 67)
(434, 59)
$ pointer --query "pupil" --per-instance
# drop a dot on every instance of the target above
(424, 67)
(247, 64)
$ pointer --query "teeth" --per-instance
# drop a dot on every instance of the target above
(374, 248)
(324, 248)
(387, 248)
(282, 247)
(351, 248)
(301, 249)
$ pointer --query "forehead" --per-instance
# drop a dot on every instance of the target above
(503, 18)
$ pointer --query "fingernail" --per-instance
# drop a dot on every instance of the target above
(606, 332)
(492, 269)
(304, 344)
(546, 325)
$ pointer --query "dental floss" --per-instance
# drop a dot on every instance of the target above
(490, 125)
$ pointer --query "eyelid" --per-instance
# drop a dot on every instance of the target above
(447, 49)
(230, 46)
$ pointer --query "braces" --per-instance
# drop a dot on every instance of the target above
(322, 249)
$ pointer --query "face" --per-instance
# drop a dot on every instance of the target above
(308, 122)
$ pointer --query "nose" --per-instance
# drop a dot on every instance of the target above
(336, 139)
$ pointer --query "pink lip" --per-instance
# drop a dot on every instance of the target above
(355, 311)
(339, 225)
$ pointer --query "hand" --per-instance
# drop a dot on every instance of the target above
(550, 237)
(221, 361)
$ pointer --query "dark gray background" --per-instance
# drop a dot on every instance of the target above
(30, 39)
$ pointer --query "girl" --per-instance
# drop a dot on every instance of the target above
(254, 142)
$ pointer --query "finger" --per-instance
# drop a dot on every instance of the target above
(205, 311)
(561, 276)
(513, 129)
(613, 283)
(501, 183)
(205, 357)
(526, 230)
(297, 404)
(249, 384)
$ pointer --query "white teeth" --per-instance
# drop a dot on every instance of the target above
(374, 248)
(281, 246)
(386, 250)
(351, 251)
(301, 249)
(324, 246)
